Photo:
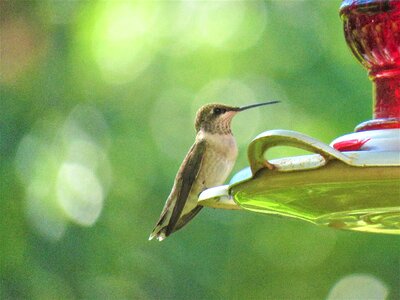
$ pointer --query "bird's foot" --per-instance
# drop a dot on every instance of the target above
(268, 165)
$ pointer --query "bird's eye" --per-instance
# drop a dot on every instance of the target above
(219, 111)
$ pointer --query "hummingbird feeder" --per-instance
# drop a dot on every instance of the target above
(353, 183)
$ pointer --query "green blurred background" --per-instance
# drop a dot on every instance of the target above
(96, 113)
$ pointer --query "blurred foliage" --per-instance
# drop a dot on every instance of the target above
(96, 113)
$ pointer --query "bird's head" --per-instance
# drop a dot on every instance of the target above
(216, 118)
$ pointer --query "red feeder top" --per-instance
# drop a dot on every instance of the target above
(372, 31)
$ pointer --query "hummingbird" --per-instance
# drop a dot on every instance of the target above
(207, 164)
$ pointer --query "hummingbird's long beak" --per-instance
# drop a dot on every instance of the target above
(257, 104)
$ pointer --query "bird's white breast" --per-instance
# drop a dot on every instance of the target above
(219, 158)
(223, 144)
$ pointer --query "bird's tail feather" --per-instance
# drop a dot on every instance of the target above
(161, 231)
(158, 233)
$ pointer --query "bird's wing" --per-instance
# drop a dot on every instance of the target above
(187, 175)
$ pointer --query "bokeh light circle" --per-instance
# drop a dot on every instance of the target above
(64, 167)
(232, 25)
(359, 286)
(79, 193)
(122, 39)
